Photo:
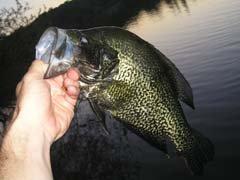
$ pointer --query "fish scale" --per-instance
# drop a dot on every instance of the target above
(149, 106)
(155, 97)
(138, 85)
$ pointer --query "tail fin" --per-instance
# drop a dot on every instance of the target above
(200, 152)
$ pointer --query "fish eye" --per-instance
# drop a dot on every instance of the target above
(106, 60)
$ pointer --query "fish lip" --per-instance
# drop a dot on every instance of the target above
(47, 44)
(46, 50)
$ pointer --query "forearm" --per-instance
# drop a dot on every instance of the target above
(23, 156)
(43, 113)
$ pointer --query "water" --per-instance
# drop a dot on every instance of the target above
(202, 37)
(204, 42)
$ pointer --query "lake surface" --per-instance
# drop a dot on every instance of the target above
(202, 37)
(203, 40)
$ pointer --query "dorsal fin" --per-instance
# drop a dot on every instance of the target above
(179, 84)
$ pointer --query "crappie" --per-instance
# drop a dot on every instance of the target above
(128, 77)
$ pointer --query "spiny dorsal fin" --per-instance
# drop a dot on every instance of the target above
(179, 84)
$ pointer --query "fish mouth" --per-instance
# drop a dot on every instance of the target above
(55, 49)
(62, 49)
(46, 45)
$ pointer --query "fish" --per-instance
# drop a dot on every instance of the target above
(124, 75)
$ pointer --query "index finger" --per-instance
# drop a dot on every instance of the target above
(73, 73)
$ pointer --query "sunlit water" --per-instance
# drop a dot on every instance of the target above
(202, 37)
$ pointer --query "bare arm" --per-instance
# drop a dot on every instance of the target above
(24, 156)
(43, 113)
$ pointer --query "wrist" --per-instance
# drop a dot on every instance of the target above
(25, 152)
(23, 143)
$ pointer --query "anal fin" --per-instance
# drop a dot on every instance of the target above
(180, 85)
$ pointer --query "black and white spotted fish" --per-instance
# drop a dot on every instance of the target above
(128, 77)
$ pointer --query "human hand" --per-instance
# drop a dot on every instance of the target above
(47, 105)
(43, 113)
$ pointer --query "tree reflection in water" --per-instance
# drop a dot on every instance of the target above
(86, 152)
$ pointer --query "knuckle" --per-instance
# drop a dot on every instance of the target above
(27, 78)
(19, 85)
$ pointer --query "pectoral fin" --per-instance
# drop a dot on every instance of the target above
(100, 114)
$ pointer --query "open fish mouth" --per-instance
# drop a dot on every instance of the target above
(62, 49)
(46, 45)
(56, 49)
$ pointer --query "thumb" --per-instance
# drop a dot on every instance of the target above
(37, 69)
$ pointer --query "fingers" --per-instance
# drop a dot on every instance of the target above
(73, 91)
(73, 74)
(72, 87)
(18, 88)
(71, 82)
(58, 79)
(36, 70)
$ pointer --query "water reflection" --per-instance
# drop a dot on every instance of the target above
(176, 4)
(205, 45)
(86, 152)
(18, 16)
